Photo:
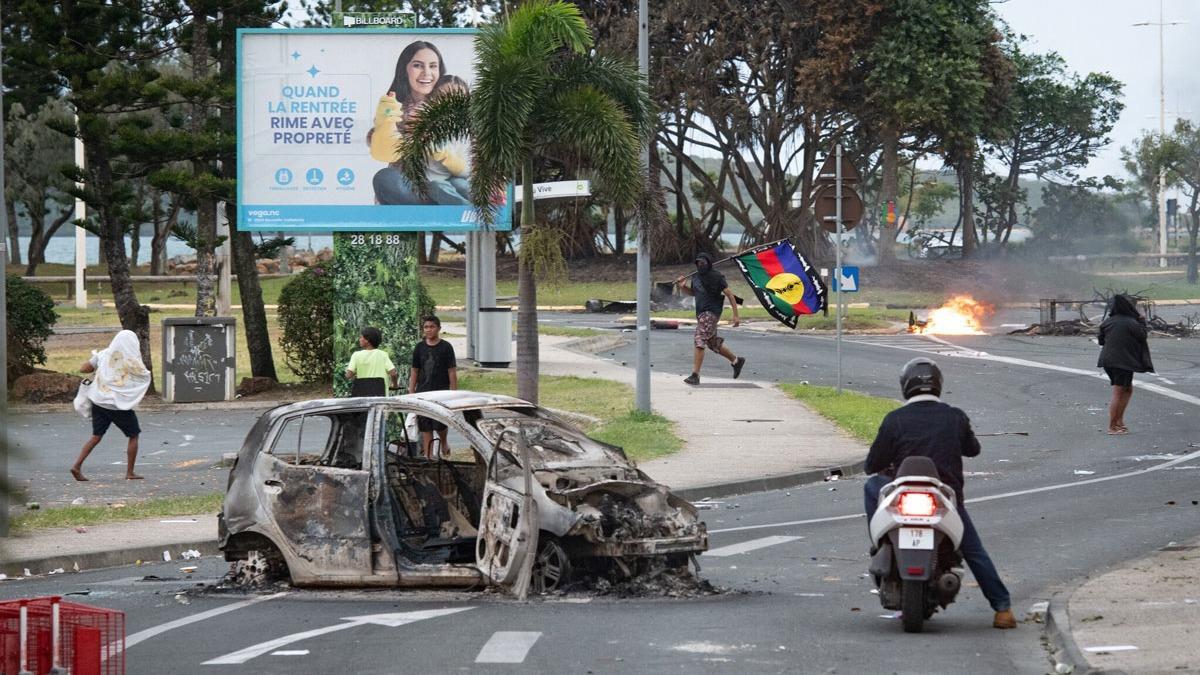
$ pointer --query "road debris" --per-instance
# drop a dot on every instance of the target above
(190, 554)
(1083, 472)
(78, 501)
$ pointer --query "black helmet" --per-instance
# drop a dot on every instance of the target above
(920, 376)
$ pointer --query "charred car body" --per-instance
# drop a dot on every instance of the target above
(327, 491)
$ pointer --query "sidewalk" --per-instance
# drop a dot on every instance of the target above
(739, 436)
(1143, 617)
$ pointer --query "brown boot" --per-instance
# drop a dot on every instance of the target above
(1004, 620)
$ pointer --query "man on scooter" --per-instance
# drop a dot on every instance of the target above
(924, 426)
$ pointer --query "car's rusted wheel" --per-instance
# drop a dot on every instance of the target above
(260, 568)
(551, 567)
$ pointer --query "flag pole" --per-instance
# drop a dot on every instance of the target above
(837, 270)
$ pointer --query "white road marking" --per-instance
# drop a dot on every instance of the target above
(951, 349)
(507, 646)
(1004, 495)
(142, 636)
(290, 652)
(1110, 648)
(747, 546)
(393, 620)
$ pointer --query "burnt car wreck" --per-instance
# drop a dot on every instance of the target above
(327, 493)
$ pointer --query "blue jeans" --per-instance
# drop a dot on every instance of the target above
(971, 547)
(391, 187)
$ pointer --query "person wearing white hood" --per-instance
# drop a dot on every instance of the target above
(119, 383)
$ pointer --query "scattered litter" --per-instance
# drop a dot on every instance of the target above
(182, 599)
(1038, 610)
(190, 554)
(33, 506)
(1170, 502)
(706, 505)
(1110, 648)
(57, 570)
(3, 576)
(179, 521)
(894, 615)
(78, 501)
(81, 529)
(118, 505)
(874, 591)
(855, 609)
(190, 569)
(28, 573)
(833, 489)
(75, 565)
(1082, 472)
(166, 556)
(834, 474)
(1064, 669)
(189, 437)
(1004, 460)
(155, 577)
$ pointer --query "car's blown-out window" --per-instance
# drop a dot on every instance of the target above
(303, 439)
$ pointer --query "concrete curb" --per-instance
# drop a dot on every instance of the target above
(595, 343)
(779, 482)
(102, 559)
(1066, 651)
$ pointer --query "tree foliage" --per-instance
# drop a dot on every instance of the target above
(30, 315)
(540, 92)
(306, 325)
(1175, 160)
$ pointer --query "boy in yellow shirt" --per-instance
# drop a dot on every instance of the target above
(371, 364)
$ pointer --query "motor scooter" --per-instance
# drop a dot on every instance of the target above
(916, 533)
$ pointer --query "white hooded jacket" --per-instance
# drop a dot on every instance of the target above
(121, 379)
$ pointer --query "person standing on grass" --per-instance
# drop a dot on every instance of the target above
(119, 383)
(1124, 351)
(433, 369)
(710, 290)
(370, 366)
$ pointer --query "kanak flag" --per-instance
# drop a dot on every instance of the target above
(786, 285)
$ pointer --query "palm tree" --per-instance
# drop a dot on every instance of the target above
(540, 92)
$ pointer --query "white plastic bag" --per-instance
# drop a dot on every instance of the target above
(83, 401)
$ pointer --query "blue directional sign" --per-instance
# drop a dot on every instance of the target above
(847, 280)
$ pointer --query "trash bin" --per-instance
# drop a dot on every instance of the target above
(494, 349)
(198, 359)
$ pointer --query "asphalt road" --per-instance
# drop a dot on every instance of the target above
(797, 600)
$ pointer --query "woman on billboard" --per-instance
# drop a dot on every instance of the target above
(419, 75)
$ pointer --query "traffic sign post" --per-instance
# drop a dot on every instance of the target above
(838, 213)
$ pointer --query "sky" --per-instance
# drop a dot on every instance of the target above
(1099, 36)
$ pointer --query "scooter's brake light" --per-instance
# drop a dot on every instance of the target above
(917, 504)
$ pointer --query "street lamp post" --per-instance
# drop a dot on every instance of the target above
(1162, 132)
(643, 245)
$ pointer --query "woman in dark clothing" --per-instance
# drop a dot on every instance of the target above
(1124, 352)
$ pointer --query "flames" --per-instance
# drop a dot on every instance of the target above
(961, 315)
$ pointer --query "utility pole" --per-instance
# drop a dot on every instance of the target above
(3, 322)
(1162, 132)
(837, 270)
(643, 246)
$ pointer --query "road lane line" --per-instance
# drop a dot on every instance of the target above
(966, 353)
(290, 652)
(747, 546)
(507, 646)
(393, 620)
(142, 636)
(1004, 495)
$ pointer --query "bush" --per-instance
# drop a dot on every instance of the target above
(31, 319)
(306, 318)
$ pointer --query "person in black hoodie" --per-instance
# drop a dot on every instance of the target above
(1124, 351)
(926, 427)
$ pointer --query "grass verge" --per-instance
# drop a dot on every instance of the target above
(73, 516)
(858, 414)
(568, 331)
(643, 436)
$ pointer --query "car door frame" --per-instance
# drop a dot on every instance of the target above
(320, 514)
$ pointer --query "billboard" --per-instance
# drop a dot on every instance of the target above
(320, 115)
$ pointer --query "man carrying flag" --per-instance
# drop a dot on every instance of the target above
(784, 282)
(710, 289)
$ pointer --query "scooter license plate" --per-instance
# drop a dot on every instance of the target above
(916, 537)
